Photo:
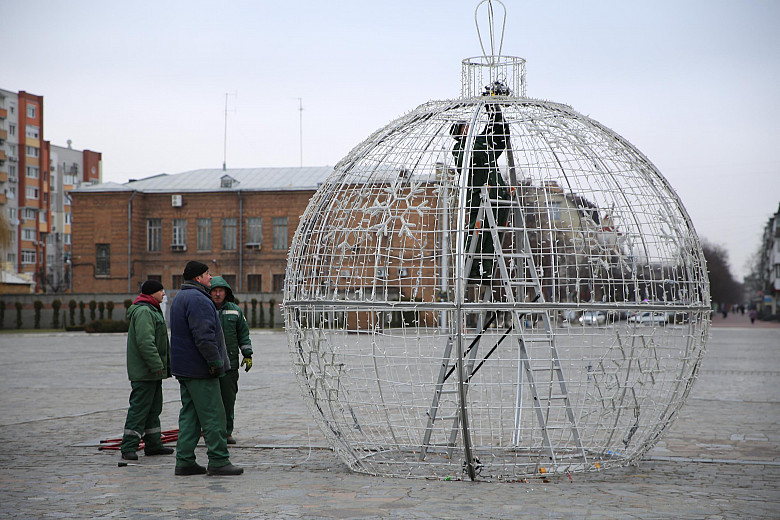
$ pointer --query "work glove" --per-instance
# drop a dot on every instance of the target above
(215, 368)
(248, 362)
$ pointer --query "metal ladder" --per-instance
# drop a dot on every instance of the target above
(539, 360)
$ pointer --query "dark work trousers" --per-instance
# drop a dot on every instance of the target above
(143, 416)
(228, 384)
(201, 410)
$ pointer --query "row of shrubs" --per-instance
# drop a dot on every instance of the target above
(101, 315)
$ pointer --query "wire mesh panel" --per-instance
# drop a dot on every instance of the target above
(499, 286)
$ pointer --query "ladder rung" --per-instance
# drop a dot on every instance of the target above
(553, 397)
(537, 339)
(502, 202)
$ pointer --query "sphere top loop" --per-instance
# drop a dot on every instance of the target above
(491, 28)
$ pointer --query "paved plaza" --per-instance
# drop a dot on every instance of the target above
(61, 393)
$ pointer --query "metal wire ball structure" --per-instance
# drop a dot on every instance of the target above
(495, 287)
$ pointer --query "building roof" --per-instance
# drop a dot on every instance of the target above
(208, 180)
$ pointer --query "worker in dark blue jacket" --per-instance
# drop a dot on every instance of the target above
(198, 358)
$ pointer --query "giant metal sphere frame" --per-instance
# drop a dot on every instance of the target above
(495, 287)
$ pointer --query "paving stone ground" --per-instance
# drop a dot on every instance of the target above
(60, 393)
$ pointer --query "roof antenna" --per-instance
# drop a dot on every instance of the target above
(224, 144)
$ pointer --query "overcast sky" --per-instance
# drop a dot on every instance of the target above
(695, 85)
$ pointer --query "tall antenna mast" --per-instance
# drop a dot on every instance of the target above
(224, 144)
(300, 127)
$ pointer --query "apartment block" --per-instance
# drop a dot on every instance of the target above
(24, 188)
(69, 169)
(35, 177)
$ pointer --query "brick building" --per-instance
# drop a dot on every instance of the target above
(24, 161)
(239, 221)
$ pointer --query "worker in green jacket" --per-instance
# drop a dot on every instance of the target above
(236, 332)
(482, 170)
(148, 363)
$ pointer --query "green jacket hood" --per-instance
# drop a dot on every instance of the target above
(218, 281)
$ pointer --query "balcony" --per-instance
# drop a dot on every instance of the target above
(3, 176)
(3, 113)
(3, 156)
(3, 199)
(3, 134)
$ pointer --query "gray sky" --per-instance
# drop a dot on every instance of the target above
(695, 85)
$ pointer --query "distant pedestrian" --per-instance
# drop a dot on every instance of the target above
(752, 315)
(148, 363)
(198, 358)
(236, 332)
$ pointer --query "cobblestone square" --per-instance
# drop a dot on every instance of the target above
(64, 392)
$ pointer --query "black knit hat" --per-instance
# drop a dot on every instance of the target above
(194, 269)
(151, 287)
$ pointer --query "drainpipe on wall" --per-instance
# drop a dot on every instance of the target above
(240, 283)
(130, 243)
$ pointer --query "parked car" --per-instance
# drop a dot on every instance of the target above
(648, 318)
(593, 318)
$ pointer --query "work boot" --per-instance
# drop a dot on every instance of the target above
(129, 455)
(230, 469)
(162, 450)
(230, 439)
(195, 469)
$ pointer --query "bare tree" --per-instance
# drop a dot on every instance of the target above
(723, 287)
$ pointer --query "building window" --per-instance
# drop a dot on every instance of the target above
(33, 172)
(231, 280)
(204, 234)
(102, 259)
(66, 239)
(254, 283)
(229, 234)
(12, 172)
(154, 234)
(28, 213)
(278, 282)
(32, 193)
(28, 256)
(254, 231)
(31, 110)
(179, 235)
(33, 132)
(12, 129)
(11, 258)
(177, 280)
(32, 151)
(280, 232)
(28, 234)
(67, 218)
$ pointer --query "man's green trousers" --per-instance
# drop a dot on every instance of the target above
(201, 410)
(143, 416)
(229, 387)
